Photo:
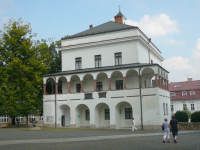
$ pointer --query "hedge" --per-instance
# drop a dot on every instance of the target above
(195, 117)
(181, 116)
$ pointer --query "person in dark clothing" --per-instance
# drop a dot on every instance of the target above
(174, 127)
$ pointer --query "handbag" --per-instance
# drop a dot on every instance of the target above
(162, 127)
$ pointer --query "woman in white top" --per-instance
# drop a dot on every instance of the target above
(166, 130)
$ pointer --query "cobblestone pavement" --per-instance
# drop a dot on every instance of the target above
(78, 139)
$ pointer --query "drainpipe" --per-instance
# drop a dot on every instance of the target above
(141, 100)
(55, 104)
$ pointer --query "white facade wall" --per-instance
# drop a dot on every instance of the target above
(178, 105)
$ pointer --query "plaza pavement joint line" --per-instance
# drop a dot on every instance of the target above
(93, 138)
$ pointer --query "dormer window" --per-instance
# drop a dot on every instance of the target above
(184, 93)
(192, 92)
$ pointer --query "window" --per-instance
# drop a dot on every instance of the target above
(87, 114)
(192, 92)
(20, 118)
(128, 113)
(178, 86)
(184, 93)
(192, 107)
(107, 114)
(175, 86)
(167, 109)
(184, 107)
(99, 86)
(172, 94)
(118, 58)
(41, 118)
(31, 118)
(88, 96)
(119, 84)
(78, 87)
(164, 108)
(198, 84)
(97, 60)
(4, 119)
(78, 63)
(172, 107)
(151, 61)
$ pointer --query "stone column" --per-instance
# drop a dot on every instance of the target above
(56, 88)
(68, 87)
(81, 86)
(160, 82)
(156, 77)
(95, 85)
(44, 85)
(109, 84)
(124, 82)
(52, 89)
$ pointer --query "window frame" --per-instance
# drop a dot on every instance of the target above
(78, 90)
(87, 115)
(78, 63)
(191, 92)
(31, 117)
(172, 93)
(118, 56)
(100, 87)
(192, 108)
(128, 111)
(184, 106)
(98, 60)
(183, 93)
(4, 119)
(20, 118)
(119, 86)
(107, 114)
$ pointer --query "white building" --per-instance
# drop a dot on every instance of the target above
(99, 85)
(185, 95)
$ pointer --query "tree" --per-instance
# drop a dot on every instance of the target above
(21, 69)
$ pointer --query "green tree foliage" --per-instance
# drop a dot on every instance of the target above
(195, 117)
(181, 116)
(188, 113)
(21, 67)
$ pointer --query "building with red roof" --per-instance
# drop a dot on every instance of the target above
(185, 95)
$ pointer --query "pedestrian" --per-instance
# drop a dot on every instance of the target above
(166, 130)
(17, 122)
(174, 127)
(133, 125)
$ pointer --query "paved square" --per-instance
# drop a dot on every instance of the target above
(94, 139)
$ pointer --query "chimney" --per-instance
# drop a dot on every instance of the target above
(91, 26)
(189, 79)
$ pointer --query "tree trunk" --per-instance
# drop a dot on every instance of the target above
(27, 121)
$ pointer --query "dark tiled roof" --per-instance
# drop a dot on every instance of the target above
(119, 14)
(103, 28)
(134, 65)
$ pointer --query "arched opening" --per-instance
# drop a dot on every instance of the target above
(82, 116)
(102, 115)
(117, 82)
(62, 85)
(148, 78)
(50, 86)
(132, 79)
(64, 116)
(75, 84)
(123, 115)
(102, 82)
(88, 83)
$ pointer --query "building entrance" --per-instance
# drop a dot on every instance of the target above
(63, 120)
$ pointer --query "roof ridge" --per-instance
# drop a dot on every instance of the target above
(184, 81)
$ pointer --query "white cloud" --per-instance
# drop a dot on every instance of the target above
(157, 25)
(172, 41)
(196, 51)
(180, 69)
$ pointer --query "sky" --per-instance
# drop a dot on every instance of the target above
(173, 25)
